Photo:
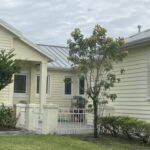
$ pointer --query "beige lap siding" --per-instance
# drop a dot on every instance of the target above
(133, 90)
(5, 43)
(57, 90)
(5, 39)
(4, 95)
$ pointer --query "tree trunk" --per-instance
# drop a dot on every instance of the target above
(95, 119)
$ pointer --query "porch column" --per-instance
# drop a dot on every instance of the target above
(11, 92)
(32, 83)
(43, 78)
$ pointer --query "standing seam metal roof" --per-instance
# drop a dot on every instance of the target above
(139, 36)
(60, 54)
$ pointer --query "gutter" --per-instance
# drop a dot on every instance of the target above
(61, 69)
(140, 42)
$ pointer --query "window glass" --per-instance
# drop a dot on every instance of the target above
(68, 86)
(81, 86)
(47, 85)
(20, 84)
(38, 84)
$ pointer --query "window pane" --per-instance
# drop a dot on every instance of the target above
(37, 84)
(20, 84)
(67, 85)
(48, 85)
(81, 86)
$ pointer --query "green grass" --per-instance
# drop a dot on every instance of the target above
(38, 142)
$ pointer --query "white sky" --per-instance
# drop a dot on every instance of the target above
(51, 21)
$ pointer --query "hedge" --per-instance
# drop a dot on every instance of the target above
(130, 127)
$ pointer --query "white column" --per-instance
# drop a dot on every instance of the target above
(11, 91)
(43, 77)
(50, 119)
(32, 83)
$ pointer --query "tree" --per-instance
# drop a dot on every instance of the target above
(8, 66)
(94, 58)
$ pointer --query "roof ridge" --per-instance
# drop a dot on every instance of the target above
(139, 33)
(52, 45)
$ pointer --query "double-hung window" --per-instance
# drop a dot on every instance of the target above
(47, 85)
(81, 86)
(68, 86)
(20, 83)
(37, 84)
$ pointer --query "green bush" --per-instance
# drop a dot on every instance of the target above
(130, 127)
(7, 117)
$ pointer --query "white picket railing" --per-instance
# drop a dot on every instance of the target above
(74, 121)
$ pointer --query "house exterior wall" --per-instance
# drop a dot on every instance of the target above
(26, 55)
(5, 43)
(134, 89)
(56, 94)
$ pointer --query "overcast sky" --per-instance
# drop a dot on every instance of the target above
(51, 21)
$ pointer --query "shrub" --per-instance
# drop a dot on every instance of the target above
(79, 101)
(130, 127)
(7, 117)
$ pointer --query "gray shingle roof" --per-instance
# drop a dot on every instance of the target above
(60, 54)
(139, 36)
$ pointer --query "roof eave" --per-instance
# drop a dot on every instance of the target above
(139, 42)
(61, 69)
(21, 37)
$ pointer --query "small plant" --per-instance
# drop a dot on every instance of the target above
(90, 108)
(8, 117)
(79, 102)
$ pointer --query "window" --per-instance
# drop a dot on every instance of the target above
(47, 85)
(68, 86)
(20, 83)
(81, 86)
(38, 84)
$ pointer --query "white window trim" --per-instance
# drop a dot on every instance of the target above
(27, 86)
(68, 95)
(49, 86)
(37, 94)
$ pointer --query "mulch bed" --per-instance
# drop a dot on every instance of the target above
(9, 129)
(107, 140)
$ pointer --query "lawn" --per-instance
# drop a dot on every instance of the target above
(37, 142)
